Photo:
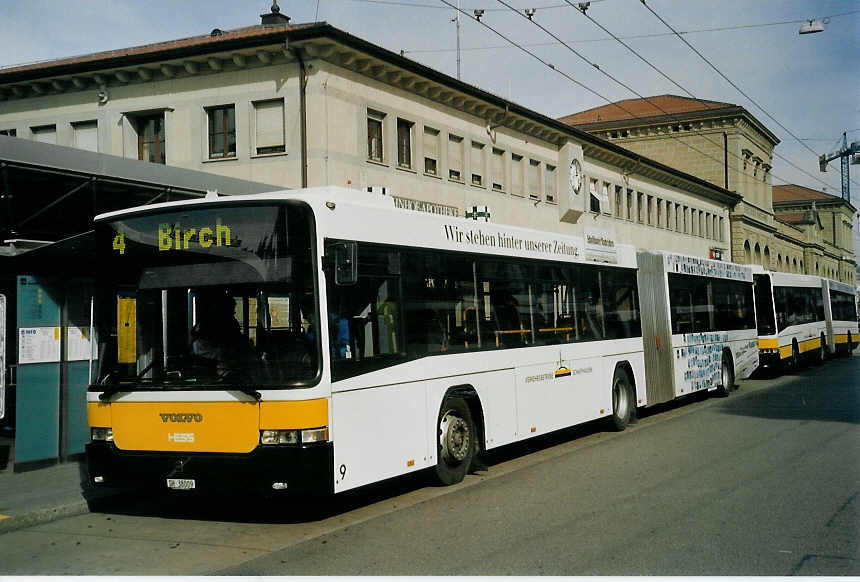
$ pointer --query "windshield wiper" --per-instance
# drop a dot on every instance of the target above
(249, 390)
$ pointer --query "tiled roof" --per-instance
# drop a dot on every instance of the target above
(206, 40)
(795, 193)
(658, 106)
(794, 218)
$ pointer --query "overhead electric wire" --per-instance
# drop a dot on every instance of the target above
(596, 66)
(631, 37)
(729, 81)
(684, 89)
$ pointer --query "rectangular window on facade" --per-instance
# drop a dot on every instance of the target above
(9, 132)
(269, 127)
(679, 218)
(150, 138)
(659, 223)
(374, 136)
(86, 135)
(721, 235)
(649, 211)
(619, 202)
(455, 158)
(629, 206)
(516, 174)
(549, 183)
(431, 151)
(477, 164)
(593, 199)
(640, 216)
(45, 133)
(497, 170)
(604, 198)
(222, 131)
(534, 179)
(404, 143)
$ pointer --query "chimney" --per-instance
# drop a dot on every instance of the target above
(274, 18)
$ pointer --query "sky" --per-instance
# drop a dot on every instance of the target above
(804, 88)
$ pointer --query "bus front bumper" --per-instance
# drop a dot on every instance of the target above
(290, 470)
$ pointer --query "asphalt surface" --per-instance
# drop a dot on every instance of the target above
(764, 483)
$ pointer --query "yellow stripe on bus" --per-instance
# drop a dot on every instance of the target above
(804, 346)
(769, 343)
(294, 414)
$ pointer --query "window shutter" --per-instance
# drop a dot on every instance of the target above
(270, 123)
(516, 174)
(46, 134)
(87, 136)
(431, 143)
(455, 153)
(498, 168)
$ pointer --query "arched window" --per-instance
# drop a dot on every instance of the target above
(757, 254)
(747, 252)
(766, 263)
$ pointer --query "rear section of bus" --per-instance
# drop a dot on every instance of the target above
(841, 314)
(210, 367)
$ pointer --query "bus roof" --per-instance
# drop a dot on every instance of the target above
(350, 214)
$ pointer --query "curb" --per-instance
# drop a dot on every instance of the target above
(40, 516)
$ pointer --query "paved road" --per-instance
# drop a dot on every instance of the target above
(764, 482)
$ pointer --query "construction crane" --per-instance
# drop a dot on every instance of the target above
(844, 153)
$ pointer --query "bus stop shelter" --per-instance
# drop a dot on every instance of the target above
(48, 197)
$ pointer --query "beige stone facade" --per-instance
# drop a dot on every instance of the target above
(310, 105)
(725, 145)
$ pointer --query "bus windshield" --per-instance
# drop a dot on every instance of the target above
(208, 296)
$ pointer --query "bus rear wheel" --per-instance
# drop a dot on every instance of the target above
(456, 441)
(622, 400)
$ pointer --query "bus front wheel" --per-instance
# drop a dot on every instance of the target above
(822, 348)
(456, 442)
(622, 400)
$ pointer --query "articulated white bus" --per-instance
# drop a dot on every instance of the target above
(698, 323)
(319, 340)
(791, 322)
(840, 311)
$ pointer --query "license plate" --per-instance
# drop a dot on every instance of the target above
(181, 483)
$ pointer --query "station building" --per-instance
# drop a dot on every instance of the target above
(783, 228)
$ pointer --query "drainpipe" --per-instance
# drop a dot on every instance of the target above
(726, 159)
(303, 116)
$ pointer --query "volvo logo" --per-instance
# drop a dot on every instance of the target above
(181, 417)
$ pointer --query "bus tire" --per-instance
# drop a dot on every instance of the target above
(456, 440)
(795, 355)
(822, 350)
(727, 374)
(622, 399)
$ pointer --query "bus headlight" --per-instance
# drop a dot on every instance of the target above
(98, 433)
(279, 437)
(294, 437)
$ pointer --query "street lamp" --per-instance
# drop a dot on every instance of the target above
(813, 26)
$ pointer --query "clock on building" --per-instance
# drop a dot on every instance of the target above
(574, 179)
